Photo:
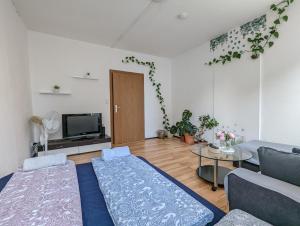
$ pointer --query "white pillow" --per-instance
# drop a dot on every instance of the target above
(121, 151)
(110, 154)
(107, 154)
(44, 161)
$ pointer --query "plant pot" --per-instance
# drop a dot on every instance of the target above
(189, 139)
(162, 134)
(56, 90)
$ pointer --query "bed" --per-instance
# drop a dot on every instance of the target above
(93, 206)
(46, 196)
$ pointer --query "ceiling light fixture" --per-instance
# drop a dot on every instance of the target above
(183, 16)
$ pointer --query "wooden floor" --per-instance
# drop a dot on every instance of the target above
(175, 158)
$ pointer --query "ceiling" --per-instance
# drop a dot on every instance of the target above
(139, 25)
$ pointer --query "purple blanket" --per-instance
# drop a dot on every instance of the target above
(48, 196)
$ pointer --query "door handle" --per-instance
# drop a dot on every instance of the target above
(116, 108)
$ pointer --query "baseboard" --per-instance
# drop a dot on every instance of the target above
(151, 138)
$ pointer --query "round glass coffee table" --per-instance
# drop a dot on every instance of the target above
(215, 173)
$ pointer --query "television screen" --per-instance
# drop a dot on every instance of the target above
(81, 124)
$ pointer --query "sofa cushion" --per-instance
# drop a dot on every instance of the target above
(280, 165)
(238, 217)
(296, 150)
(253, 145)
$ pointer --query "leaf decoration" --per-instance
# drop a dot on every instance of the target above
(258, 43)
(155, 84)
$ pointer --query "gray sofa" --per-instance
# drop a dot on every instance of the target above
(252, 146)
(240, 218)
(271, 200)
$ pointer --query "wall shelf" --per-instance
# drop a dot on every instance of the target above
(50, 92)
(85, 77)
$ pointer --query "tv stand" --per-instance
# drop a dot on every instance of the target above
(77, 145)
(82, 138)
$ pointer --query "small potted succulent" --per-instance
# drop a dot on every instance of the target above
(56, 88)
(185, 129)
(206, 123)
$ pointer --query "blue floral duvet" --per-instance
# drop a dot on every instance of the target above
(137, 195)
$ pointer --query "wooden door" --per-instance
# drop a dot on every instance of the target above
(127, 107)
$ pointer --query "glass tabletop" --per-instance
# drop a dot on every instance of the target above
(222, 155)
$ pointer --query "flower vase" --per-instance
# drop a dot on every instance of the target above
(222, 144)
(228, 144)
(225, 145)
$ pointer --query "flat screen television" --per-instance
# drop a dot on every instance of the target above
(78, 125)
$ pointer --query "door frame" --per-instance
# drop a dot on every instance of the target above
(111, 71)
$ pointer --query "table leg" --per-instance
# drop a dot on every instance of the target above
(200, 165)
(216, 166)
(240, 164)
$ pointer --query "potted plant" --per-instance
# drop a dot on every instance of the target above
(56, 88)
(206, 123)
(178, 129)
(189, 133)
(185, 129)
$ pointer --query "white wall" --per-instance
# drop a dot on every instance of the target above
(192, 84)
(280, 84)
(53, 60)
(261, 97)
(15, 98)
(230, 92)
(236, 99)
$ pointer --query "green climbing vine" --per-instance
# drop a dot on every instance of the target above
(259, 42)
(155, 84)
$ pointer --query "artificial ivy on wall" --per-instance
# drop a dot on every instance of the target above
(155, 84)
(261, 37)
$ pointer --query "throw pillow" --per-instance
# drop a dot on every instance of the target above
(280, 165)
(296, 150)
